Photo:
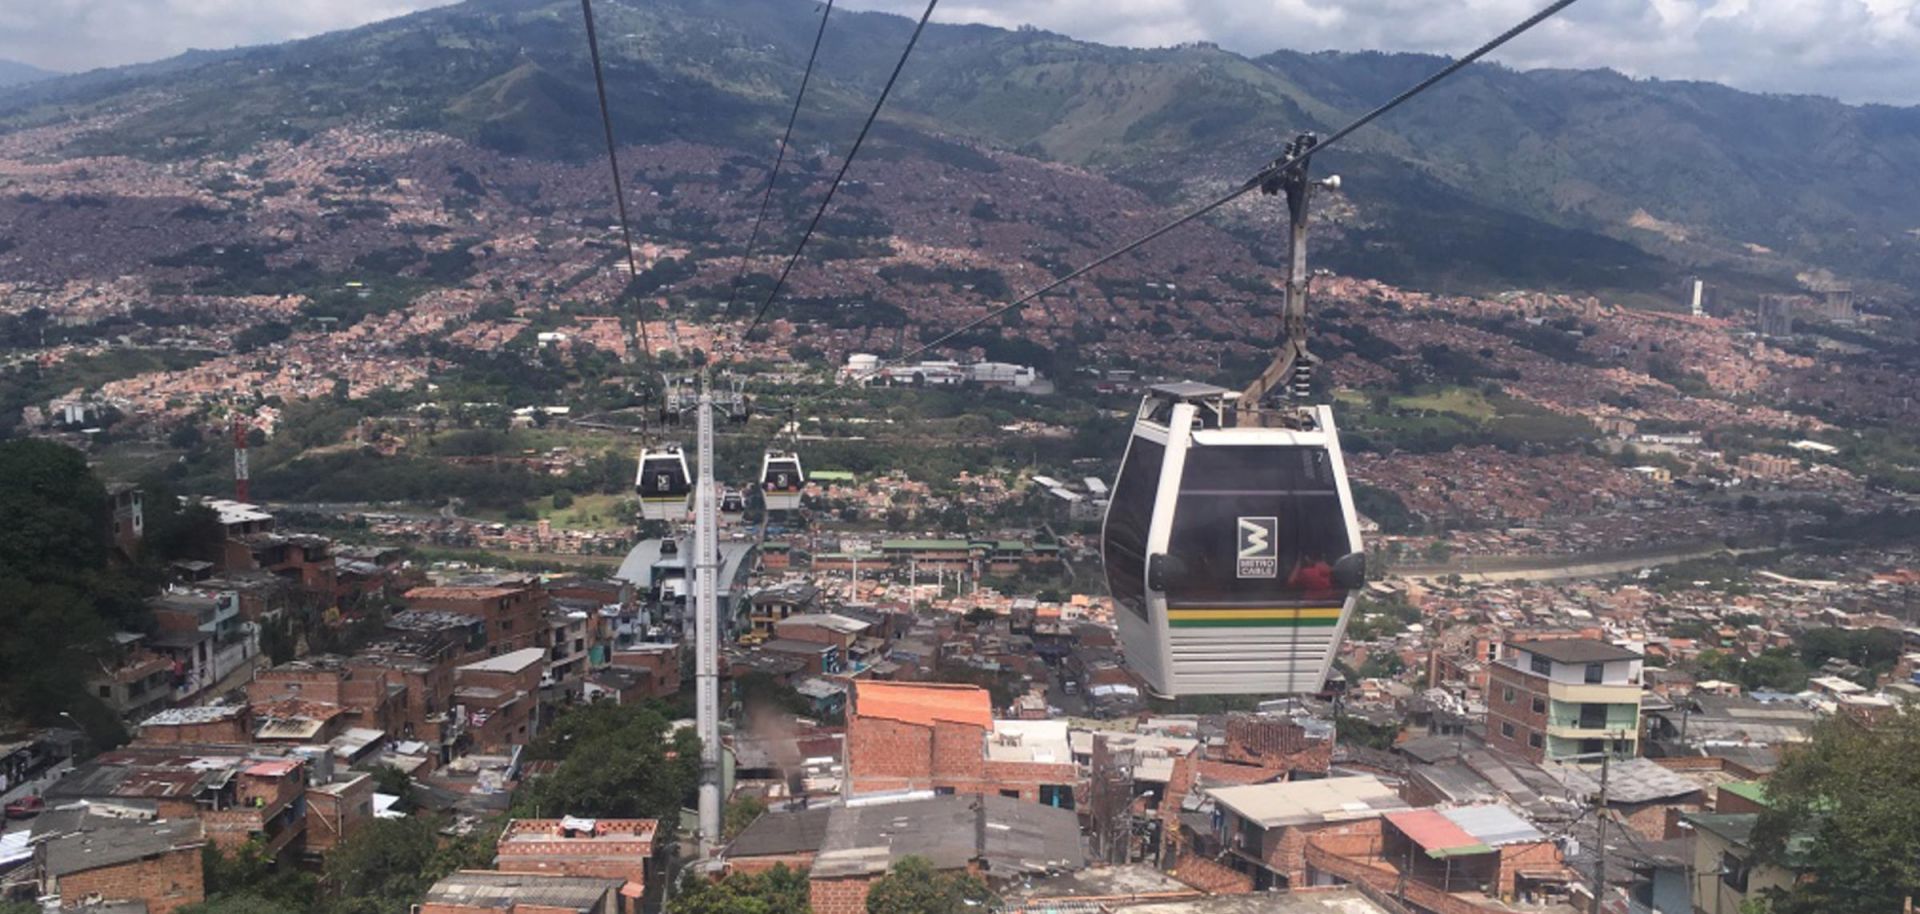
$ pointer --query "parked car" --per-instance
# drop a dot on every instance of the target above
(26, 807)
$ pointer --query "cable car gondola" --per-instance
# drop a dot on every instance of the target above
(733, 505)
(781, 480)
(1232, 549)
(663, 484)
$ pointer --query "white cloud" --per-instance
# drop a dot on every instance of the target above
(1856, 50)
(73, 35)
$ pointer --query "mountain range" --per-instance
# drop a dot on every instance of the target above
(1578, 180)
(13, 73)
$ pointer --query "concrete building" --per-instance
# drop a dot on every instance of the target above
(1560, 698)
(1723, 858)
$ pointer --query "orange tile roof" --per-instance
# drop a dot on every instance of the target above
(923, 703)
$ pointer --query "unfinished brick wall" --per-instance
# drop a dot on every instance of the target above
(1209, 876)
(236, 729)
(165, 882)
(1276, 742)
(889, 755)
(847, 895)
(1535, 857)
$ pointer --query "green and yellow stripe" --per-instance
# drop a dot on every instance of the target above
(1254, 616)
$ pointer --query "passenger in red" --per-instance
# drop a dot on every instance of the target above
(1312, 575)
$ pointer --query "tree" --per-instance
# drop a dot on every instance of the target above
(777, 891)
(742, 813)
(915, 887)
(394, 782)
(386, 866)
(616, 761)
(389, 864)
(250, 874)
(1844, 809)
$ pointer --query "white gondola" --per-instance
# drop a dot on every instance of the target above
(733, 505)
(781, 480)
(1232, 549)
(663, 484)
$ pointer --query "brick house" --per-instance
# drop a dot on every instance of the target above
(514, 610)
(371, 697)
(336, 810)
(156, 863)
(1460, 860)
(218, 725)
(659, 664)
(266, 806)
(608, 848)
(424, 664)
(932, 736)
(501, 696)
(1264, 828)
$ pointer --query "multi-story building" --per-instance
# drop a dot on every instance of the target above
(1563, 698)
(514, 610)
(501, 696)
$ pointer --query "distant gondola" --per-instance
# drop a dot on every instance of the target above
(1232, 549)
(733, 505)
(663, 484)
(781, 480)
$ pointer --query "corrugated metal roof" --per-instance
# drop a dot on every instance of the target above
(1496, 826)
(1436, 834)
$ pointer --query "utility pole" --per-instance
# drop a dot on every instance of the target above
(706, 637)
(1600, 846)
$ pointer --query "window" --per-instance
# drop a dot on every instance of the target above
(1010, 794)
(106, 691)
(1534, 740)
(1506, 729)
(1506, 694)
(1539, 705)
(1596, 673)
(1733, 872)
(943, 791)
(1540, 664)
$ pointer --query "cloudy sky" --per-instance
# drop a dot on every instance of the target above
(1856, 50)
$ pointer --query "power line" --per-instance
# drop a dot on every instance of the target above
(780, 158)
(1278, 167)
(835, 186)
(613, 163)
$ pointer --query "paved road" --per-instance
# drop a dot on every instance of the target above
(1574, 568)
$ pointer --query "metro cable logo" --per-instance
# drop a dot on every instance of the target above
(1259, 547)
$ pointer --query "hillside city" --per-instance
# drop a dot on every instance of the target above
(328, 589)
